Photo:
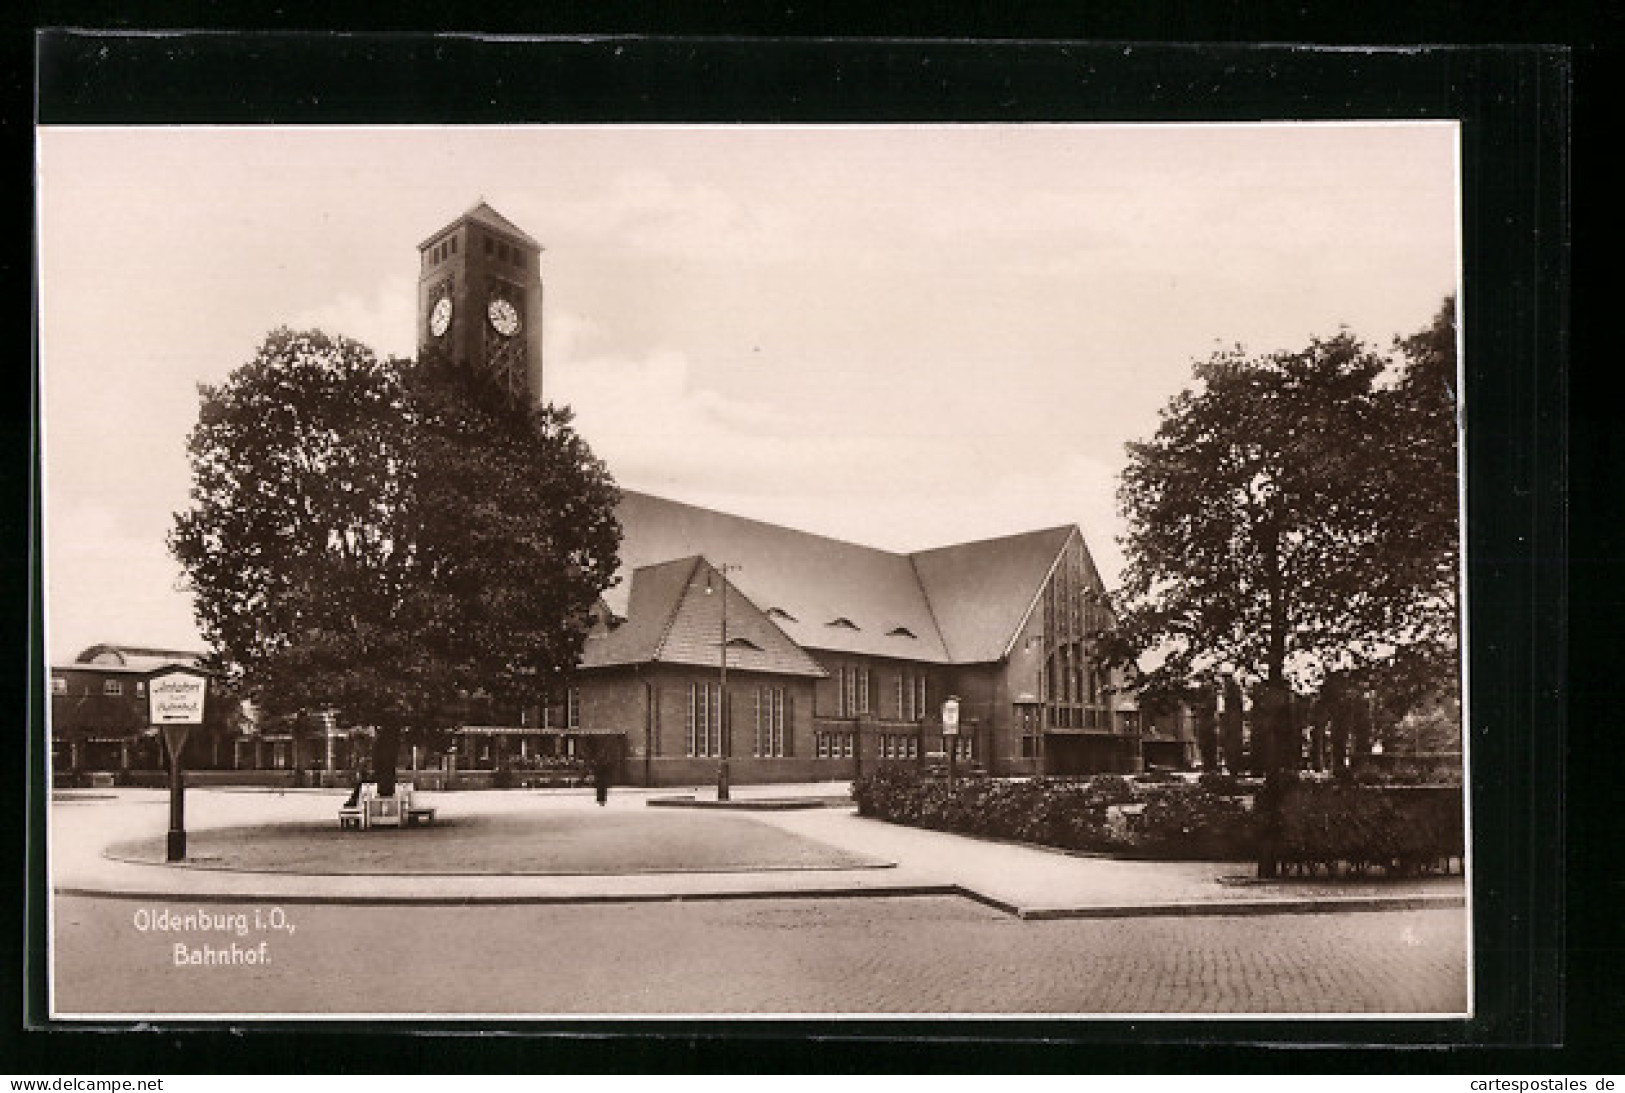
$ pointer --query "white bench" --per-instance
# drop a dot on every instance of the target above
(371, 810)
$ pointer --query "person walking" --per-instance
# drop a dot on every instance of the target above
(603, 770)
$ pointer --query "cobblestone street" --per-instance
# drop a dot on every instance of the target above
(760, 956)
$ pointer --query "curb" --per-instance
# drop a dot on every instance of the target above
(196, 866)
(498, 900)
(1247, 908)
(1189, 909)
(763, 804)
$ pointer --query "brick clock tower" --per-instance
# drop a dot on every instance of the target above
(480, 299)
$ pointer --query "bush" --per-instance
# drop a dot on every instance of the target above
(1061, 813)
(1344, 827)
(1193, 822)
(1332, 827)
(1110, 789)
(1427, 769)
(886, 793)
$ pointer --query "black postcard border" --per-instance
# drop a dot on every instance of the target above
(1514, 103)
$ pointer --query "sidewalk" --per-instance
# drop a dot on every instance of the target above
(1029, 882)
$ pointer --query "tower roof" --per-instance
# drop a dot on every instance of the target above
(482, 214)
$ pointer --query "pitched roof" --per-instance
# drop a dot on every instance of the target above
(648, 600)
(981, 592)
(486, 216)
(815, 580)
(956, 604)
(675, 617)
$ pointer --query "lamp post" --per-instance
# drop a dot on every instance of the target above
(724, 728)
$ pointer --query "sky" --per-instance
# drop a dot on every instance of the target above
(902, 336)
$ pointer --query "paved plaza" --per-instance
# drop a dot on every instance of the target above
(929, 923)
(892, 955)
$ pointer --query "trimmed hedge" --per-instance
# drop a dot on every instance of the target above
(1191, 822)
(1177, 820)
(1340, 829)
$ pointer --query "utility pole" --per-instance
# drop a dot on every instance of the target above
(724, 724)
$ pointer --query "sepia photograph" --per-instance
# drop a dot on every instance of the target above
(762, 572)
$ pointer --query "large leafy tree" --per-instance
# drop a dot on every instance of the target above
(1285, 522)
(516, 534)
(1422, 537)
(387, 538)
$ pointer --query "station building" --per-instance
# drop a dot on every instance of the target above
(837, 656)
(840, 656)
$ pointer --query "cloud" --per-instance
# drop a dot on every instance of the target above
(659, 430)
(646, 210)
(383, 319)
(94, 546)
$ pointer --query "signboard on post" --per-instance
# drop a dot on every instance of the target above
(175, 739)
(950, 733)
(175, 698)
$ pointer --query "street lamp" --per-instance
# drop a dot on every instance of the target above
(725, 729)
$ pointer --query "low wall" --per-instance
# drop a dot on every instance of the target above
(747, 771)
(662, 772)
(439, 780)
(159, 779)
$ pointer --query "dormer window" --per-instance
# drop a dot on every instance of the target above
(743, 643)
(900, 632)
(842, 623)
(780, 613)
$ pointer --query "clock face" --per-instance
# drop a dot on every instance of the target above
(440, 317)
(504, 317)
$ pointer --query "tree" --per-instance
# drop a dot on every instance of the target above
(1278, 527)
(384, 539)
(1422, 540)
(1424, 537)
(297, 544)
(516, 535)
